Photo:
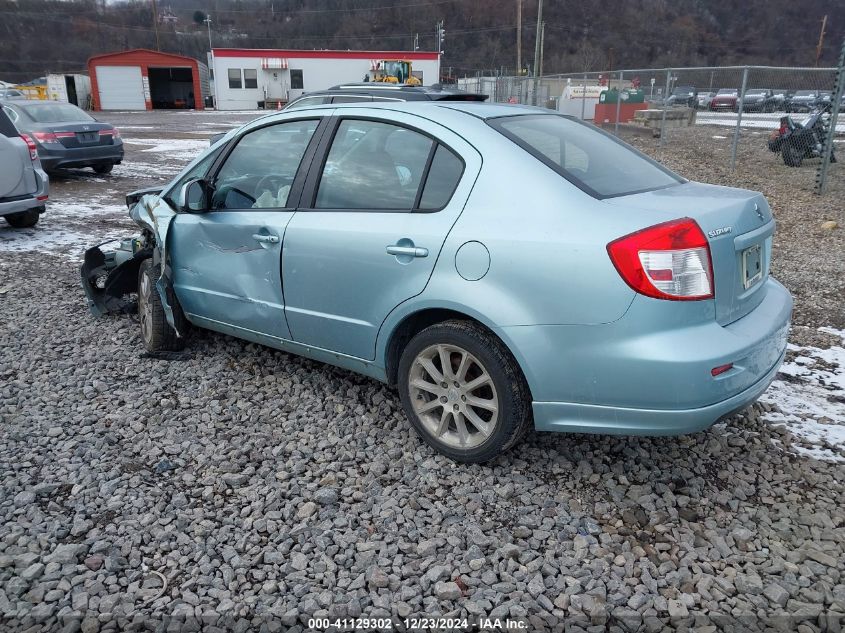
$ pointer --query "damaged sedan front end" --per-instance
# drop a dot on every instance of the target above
(110, 276)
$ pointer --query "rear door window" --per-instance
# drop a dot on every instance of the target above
(7, 128)
(373, 165)
(591, 159)
(442, 180)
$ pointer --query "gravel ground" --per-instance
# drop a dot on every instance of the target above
(238, 487)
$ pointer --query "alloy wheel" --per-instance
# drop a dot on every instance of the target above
(454, 396)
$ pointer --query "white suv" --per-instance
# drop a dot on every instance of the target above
(23, 183)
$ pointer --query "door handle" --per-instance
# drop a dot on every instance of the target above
(269, 239)
(407, 251)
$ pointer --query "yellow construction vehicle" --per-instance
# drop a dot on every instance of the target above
(395, 71)
(38, 92)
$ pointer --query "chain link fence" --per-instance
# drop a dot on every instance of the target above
(747, 112)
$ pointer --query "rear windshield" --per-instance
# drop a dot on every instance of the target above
(728, 91)
(54, 113)
(589, 158)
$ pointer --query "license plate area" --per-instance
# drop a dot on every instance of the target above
(752, 266)
(88, 137)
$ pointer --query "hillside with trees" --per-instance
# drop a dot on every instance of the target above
(39, 36)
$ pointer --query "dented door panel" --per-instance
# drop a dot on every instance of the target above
(226, 268)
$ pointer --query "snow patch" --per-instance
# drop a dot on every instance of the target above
(56, 232)
(811, 398)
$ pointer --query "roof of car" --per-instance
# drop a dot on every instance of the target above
(433, 91)
(477, 109)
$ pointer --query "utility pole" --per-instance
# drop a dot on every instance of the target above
(439, 36)
(208, 24)
(155, 24)
(542, 41)
(821, 41)
(518, 37)
(537, 37)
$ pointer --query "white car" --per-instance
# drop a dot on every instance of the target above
(704, 99)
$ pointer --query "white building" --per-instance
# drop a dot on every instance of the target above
(245, 78)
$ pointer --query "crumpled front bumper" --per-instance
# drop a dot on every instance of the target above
(109, 277)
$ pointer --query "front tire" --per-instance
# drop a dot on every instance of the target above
(792, 155)
(464, 392)
(156, 332)
(103, 168)
(24, 219)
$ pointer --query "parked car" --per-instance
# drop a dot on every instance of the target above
(373, 91)
(604, 294)
(365, 92)
(704, 99)
(23, 184)
(725, 99)
(67, 136)
(686, 96)
(781, 97)
(7, 94)
(759, 100)
(803, 101)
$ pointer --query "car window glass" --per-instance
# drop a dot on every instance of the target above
(308, 101)
(593, 160)
(442, 179)
(259, 172)
(7, 127)
(56, 113)
(373, 165)
(350, 98)
(197, 171)
(9, 117)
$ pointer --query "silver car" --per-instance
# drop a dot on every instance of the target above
(23, 183)
(505, 267)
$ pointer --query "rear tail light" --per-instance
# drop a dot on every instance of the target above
(114, 133)
(46, 137)
(33, 148)
(667, 261)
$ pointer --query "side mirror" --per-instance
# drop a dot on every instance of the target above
(193, 196)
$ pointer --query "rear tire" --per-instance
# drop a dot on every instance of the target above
(484, 408)
(156, 332)
(103, 168)
(792, 156)
(24, 219)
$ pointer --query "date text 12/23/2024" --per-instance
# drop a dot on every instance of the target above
(418, 624)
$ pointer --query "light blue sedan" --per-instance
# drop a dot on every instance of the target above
(505, 267)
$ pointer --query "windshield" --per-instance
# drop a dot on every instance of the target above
(728, 91)
(805, 93)
(592, 160)
(683, 90)
(54, 113)
(757, 93)
(396, 69)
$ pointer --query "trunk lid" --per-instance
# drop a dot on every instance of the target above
(739, 227)
(87, 134)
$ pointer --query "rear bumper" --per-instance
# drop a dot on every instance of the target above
(53, 157)
(9, 207)
(580, 418)
(642, 375)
